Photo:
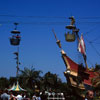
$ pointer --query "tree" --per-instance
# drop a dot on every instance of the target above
(51, 81)
(29, 77)
(12, 80)
(97, 67)
(4, 83)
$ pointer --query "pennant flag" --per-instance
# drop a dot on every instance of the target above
(81, 46)
(82, 49)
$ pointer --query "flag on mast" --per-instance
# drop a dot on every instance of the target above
(82, 49)
(81, 46)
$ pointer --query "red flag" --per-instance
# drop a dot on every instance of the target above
(81, 46)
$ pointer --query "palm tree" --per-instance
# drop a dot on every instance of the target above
(29, 77)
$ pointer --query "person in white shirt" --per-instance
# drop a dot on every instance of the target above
(38, 97)
(34, 97)
(19, 97)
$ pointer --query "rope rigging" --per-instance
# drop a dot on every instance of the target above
(93, 47)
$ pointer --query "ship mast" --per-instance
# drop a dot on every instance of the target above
(70, 37)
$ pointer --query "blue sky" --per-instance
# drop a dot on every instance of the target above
(38, 47)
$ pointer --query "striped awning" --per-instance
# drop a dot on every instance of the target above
(16, 88)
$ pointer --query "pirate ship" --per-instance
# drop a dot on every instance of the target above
(77, 75)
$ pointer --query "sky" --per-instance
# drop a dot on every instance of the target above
(38, 47)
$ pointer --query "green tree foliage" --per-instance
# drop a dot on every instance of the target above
(51, 81)
(29, 77)
(12, 80)
(4, 83)
(97, 67)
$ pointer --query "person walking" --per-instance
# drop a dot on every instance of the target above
(34, 97)
(5, 95)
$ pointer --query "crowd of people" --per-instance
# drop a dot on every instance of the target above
(5, 95)
(11, 95)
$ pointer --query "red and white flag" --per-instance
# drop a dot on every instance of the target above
(81, 46)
